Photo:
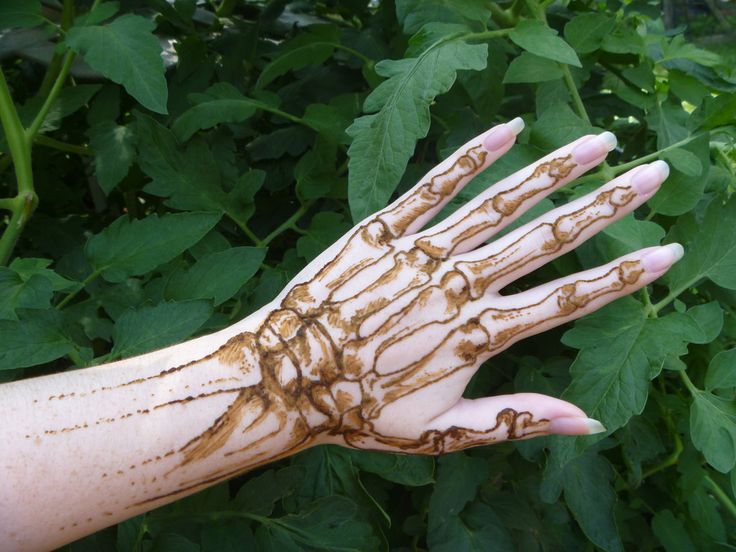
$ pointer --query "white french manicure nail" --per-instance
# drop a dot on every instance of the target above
(594, 148)
(594, 426)
(649, 178)
(575, 426)
(662, 258)
(516, 125)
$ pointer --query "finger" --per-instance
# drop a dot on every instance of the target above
(505, 201)
(472, 422)
(494, 266)
(417, 206)
(566, 299)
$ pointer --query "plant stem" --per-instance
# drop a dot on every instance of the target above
(225, 9)
(487, 35)
(688, 382)
(81, 286)
(364, 58)
(576, 99)
(49, 142)
(48, 102)
(652, 156)
(672, 295)
(721, 495)
(288, 223)
(25, 202)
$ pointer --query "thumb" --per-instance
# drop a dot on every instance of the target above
(472, 422)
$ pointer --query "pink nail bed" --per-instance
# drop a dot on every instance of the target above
(662, 258)
(648, 179)
(498, 137)
(594, 148)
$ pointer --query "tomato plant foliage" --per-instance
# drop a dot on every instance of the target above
(189, 158)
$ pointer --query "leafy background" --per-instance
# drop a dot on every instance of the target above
(169, 166)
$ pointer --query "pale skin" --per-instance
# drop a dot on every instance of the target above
(370, 347)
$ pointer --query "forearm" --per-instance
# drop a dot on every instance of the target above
(85, 449)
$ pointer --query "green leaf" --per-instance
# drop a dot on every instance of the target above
(233, 535)
(324, 230)
(37, 337)
(259, 494)
(16, 292)
(620, 352)
(530, 68)
(721, 372)
(704, 323)
(384, 140)
(217, 276)
(101, 12)
(413, 471)
(327, 523)
(413, 14)
(680, 192)
(458, 478)
(307, 49)
(669, 122)
(629, 234)
(136, 52)
(191, 179)
(539, 39)
(671, 532)
(221, 103)
(713, 429)
(473, 530)
(154, 327)
(20, 13)
(114, 147)
(678, 48)
(586, 32)
(132, 247)
(710, 247)
(684, 161)
(558, 126)
(591, 499)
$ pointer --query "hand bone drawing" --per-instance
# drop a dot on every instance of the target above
(373, 343)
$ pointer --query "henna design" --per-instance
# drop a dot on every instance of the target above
(333, 355)
(496, 210)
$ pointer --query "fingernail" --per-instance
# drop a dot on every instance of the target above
(594, 148)
(516, 125)
(649, 179)
(498, 137)
(575, 426)
(662, 258)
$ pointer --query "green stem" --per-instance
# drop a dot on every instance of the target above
(364, 58)
(26, 201)
(244, 227)
(51, 98)
(7, 204)
(225, 9)
(49, 142)
(672, 295)
(576, 99)
(286, 225)
(486, 35)
(652, 156)
(688, 382)
(79, 288)
(671, 460)
(721, 495)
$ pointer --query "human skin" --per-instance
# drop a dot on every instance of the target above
(370, 347)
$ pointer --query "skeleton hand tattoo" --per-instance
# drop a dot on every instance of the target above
(373, 343)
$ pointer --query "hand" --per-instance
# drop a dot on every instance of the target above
(374, 342)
